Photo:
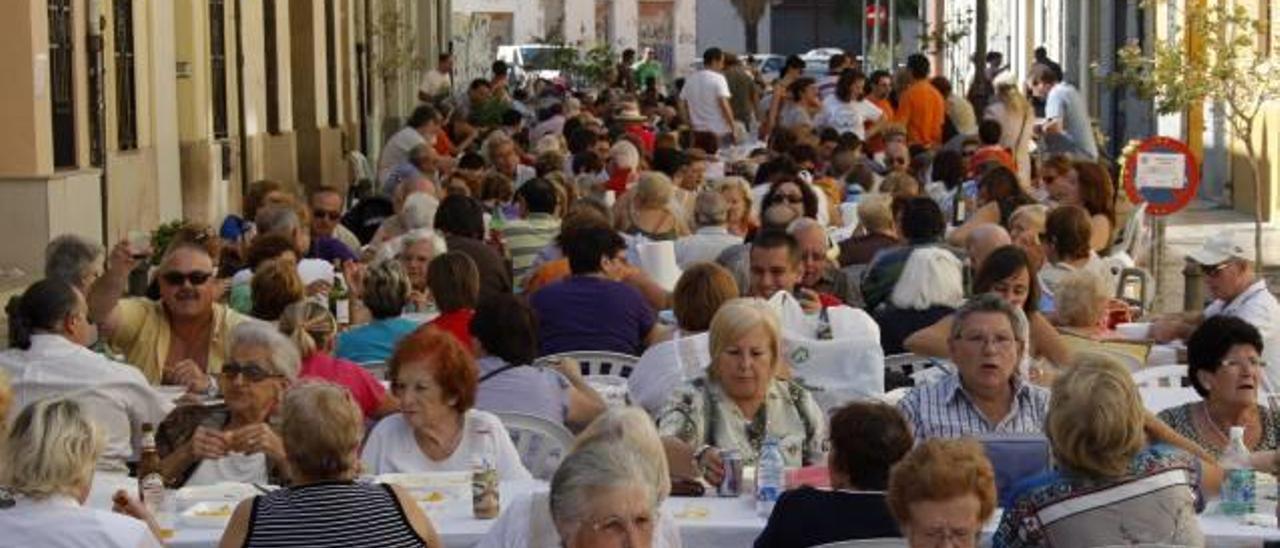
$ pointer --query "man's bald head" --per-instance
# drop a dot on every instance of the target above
(983, 240)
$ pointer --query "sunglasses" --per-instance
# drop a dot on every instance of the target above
(197, 278)
(897, 160)
(250, 372)
(1212, 270)
(788, 198)
(322, 214)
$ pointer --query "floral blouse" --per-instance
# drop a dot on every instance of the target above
(701, 413)
(1190, 420)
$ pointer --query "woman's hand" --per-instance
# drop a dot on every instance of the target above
(259, 438)
(188, 374)
(353, 271)
(208, 443)
(122, 503)
(712, 466)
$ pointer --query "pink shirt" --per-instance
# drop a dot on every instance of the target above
(365, 389)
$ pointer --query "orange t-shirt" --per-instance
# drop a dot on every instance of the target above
(924, 111)
(884, 105)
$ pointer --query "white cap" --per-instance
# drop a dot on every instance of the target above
(1218, 249)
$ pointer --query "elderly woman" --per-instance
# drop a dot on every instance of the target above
(527, 520)
(49, 465)
(1006, 273)
(454, 282)
(234, 441)
(647, 210)
(437, 430)
(1082, 310)
(384, 293)
(866, 440)
(1137, 493)
(415, 251)
(313, 331)
(48, 331)
(506, 344)
(1224, 365)
(737, 198)
(942, 492)
(699, 293)
(742, 400)
(322, 431)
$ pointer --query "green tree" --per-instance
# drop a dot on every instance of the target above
(751, 11)
(1215, 56)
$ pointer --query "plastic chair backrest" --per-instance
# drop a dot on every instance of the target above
(1172, 376)
(541, 443)
(595, 362)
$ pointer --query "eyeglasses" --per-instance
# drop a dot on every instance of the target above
(1000, 342)
(1241, 364)
(197, 277)
(1211, 270)
(950, 536)
(322, 214)
(618, 526)
(251, 372)
(788, 198)
(897, 160)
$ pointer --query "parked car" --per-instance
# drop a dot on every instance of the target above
(531, 62)
(769, 64)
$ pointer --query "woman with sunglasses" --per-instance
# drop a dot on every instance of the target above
(793, 194)
(234, 441)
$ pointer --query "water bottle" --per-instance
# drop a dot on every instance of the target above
(1238, 490)
(770, 475)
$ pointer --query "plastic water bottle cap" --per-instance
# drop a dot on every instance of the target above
(1236, 432)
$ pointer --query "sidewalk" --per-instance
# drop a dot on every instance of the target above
(1187, 230)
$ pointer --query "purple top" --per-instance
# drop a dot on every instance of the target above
(328, 248)
(538, 391)
(591, 313)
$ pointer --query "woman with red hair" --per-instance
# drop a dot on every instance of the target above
(437, 430)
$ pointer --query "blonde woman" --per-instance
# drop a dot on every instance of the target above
(314, 332)
(738, 201)
(647, 210)
(1095, 426)
(743, 400)
(49, 464)
(1016, 119)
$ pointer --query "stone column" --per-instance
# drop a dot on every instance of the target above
(625, 19)
(580, 22)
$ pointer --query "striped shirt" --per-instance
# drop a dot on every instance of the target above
(336, 514)
(942, 409)
(525, 238)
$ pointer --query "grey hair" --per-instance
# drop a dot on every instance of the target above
(386, 288)
(990, 303)
(802, 224)
(284, 355)
(277, 219)
(631, 427)
(69, 256)
(495, 140)
(710, 209)
(51, 450)
(577, 482)
(413, 237)
(419, 210)
(624, 154)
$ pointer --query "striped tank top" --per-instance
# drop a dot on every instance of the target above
(331, 514)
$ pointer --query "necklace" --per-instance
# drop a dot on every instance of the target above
(1208, 417)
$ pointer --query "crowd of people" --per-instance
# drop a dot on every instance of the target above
(503, 228)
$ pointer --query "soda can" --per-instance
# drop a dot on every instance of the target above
(731, 483)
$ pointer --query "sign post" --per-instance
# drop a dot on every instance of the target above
(1161, 172)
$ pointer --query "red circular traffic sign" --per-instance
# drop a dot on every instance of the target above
(1161, 201)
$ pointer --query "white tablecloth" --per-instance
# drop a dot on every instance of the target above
(732, 522)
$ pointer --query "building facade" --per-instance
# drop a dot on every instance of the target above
(123, 114)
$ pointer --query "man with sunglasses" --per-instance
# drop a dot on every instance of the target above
(177, 339)
(1237, 291)
(326, 214)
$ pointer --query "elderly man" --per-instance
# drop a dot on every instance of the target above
(876, 218)
(712, 237)
(984, 395)
(178, 339)
(420, 129)
(539, 226)
(503, 156)
(421, 163)
(402, 222)
(1237, 291)
(75, 260)
(820, 272)
(326, 212)
(982, 241)
(286, 220)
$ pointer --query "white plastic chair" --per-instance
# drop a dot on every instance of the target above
(541, 443)
(894, 396)
(1162, 376)
(1132, 229)
(867, 543)
(909, 364)
(594, 362)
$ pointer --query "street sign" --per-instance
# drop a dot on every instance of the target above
(1161, 172)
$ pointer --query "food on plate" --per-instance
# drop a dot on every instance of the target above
(219, 511)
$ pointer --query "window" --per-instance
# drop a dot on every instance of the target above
(272, 65)
(330, 62)
(126, 99)
(218, 66)
(62, 86)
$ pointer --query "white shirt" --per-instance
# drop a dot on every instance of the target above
(391, 448)
(703, 91)
(114, 394)
(396, 151)
(526, 521)
(665, 366)
(233, 468)
(434, 83)
(704, 245)
(841, 116)
(1260, 308)
(61, 522)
